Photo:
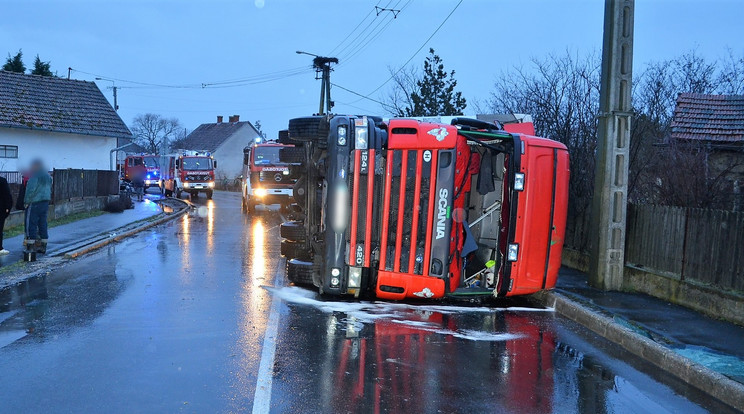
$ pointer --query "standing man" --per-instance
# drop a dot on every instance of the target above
(38, 195)
(6, 204)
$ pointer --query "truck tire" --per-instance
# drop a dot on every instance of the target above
(210, 193)
(293, 231)
(250, 205)
(309, 128)
(283, 137)
(300, 272)
(292, 155)
(294, 250)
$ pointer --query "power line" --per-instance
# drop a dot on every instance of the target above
(351, 32)
(379, 32)
(358, 94)
(353, 41)
(416, 52)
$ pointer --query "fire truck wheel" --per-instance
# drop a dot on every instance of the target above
(300, 272)
(309, 128)
(294, 250)
(210, 193)
(250, 206)
(293, 230)
(292, 155)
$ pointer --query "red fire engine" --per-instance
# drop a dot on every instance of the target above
(150, 162)
(189, 171)
(410, 209)
(268, 176)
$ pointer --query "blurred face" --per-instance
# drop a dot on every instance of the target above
(36, 166)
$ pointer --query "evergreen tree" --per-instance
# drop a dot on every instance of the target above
(15, 63)
(42, 68)
(435, 91)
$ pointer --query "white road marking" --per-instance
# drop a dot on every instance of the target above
(262, 397)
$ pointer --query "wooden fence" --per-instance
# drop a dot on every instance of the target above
(71, 184)
(694, 244)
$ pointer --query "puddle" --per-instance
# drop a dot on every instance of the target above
(427, 318)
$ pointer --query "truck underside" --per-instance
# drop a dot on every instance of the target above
(407, 209)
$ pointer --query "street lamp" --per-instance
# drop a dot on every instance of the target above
(114, 88)
(322, 65)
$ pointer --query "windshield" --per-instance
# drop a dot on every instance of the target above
(266, 155)
(197, 163)
(135, 161)
(152, 162)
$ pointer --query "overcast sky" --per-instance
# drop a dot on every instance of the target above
(189, 43)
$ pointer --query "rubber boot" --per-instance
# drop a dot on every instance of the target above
(41, 246)
(29, 245)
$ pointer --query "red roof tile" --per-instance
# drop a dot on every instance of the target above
(717, 118)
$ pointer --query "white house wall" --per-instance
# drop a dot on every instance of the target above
(229, 155)
(58, 150)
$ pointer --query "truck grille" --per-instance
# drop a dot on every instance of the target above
(406, 211)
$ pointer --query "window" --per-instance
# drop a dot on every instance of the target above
(8, 151)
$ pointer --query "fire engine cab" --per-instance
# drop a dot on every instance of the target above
(269, 178)
(189, 171)
(410, 209)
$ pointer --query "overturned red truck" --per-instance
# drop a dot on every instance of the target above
(410, 209)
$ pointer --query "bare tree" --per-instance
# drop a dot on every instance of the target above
(152, 131)
(404, 85)
(731, 77)
(561, 93)
(691, 174)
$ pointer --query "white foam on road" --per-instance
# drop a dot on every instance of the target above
(412, 316)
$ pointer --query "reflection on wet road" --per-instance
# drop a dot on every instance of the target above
(175, 320)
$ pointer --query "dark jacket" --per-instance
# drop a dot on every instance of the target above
(6, 198)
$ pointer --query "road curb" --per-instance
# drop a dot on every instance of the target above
(710, 382)
(111, 239)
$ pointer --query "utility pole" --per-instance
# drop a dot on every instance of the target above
(607, 260)
(114, 88)
(322, 66)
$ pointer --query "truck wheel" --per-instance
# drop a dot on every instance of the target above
(210, 193)
(284, 137)
(300, 272)
(299, 191)
(292, 155)
(250, 206)
(309, 128)
(294, 250)
(293, 230)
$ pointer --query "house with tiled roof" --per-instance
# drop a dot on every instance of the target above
(225, 140)
(715, 123)
(68, 123)
(717, 120)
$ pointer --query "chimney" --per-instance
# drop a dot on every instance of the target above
(219, 119)
(234, 118)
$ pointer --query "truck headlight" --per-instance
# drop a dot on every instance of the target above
(355, 277)
(210, 184)
(260, 192)
(519, 181)
(185, 185)
(285, 172)
(340, 208)
(512, 252)
(341, 134)
(360, 137)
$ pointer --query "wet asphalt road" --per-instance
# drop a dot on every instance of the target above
(178, 319)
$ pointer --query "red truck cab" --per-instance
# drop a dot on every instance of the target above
(412, 209)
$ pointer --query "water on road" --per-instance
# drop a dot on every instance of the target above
(196, 316)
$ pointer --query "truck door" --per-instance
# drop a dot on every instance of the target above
(541, 216)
